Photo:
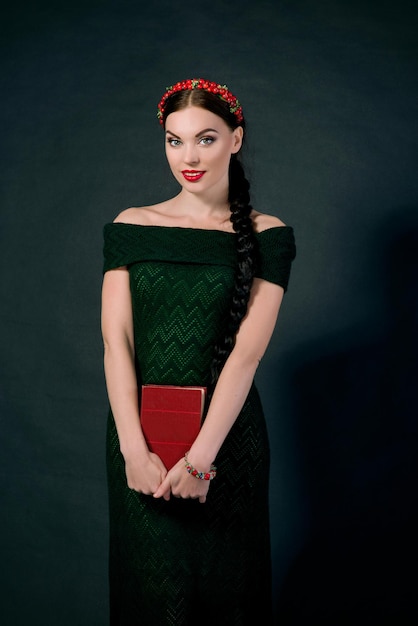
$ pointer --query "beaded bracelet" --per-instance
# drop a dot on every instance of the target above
(200, 475)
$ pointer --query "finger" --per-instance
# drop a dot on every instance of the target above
(164, 490)
(162, 494)
(161, 489)
(202, 499)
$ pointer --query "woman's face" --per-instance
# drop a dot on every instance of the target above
(199, 145)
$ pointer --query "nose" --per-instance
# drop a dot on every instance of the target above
(191, 154)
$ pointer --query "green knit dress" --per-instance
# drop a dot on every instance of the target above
(182, 563)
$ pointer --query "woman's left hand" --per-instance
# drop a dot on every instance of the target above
(182, 485)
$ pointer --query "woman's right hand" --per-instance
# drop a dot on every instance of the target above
(144, 473)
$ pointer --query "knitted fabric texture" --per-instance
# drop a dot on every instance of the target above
(176, 562)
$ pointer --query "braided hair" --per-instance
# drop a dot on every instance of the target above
(240, 217)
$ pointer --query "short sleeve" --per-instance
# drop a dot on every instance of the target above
(119, 245)
(276, 251)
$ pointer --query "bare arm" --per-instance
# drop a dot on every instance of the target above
(231, 390)
(144, 470)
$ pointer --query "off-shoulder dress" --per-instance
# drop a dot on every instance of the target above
(182, 563)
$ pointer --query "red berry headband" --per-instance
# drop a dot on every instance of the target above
(199, 83)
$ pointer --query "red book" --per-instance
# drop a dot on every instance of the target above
(171, 417)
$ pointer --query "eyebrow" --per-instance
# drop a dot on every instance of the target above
(199, 134)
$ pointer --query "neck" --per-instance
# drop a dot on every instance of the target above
(203, 206)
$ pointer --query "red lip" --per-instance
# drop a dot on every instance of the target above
(192, 175)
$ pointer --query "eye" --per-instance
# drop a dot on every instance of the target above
(206, 141)
(173, 142)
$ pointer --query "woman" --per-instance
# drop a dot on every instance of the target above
(191, 294)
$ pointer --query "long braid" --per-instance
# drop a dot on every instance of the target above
(239, 198)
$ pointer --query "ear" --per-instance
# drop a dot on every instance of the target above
(238, 135)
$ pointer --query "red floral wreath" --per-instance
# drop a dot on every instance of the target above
(200, 83)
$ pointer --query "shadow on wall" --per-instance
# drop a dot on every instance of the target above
(356, 420)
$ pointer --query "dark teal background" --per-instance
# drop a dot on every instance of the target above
(329, 90)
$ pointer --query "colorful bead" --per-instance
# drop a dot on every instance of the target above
(199, 83)
(200, 475)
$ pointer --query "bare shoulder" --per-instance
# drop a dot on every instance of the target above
(141, 216)
(262, 221)
(127, 216)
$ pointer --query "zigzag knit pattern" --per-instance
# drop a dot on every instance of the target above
(181, 563)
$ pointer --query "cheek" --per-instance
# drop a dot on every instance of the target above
(221, 156)
(171, 157)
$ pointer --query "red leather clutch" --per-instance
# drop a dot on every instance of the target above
(171, 417)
